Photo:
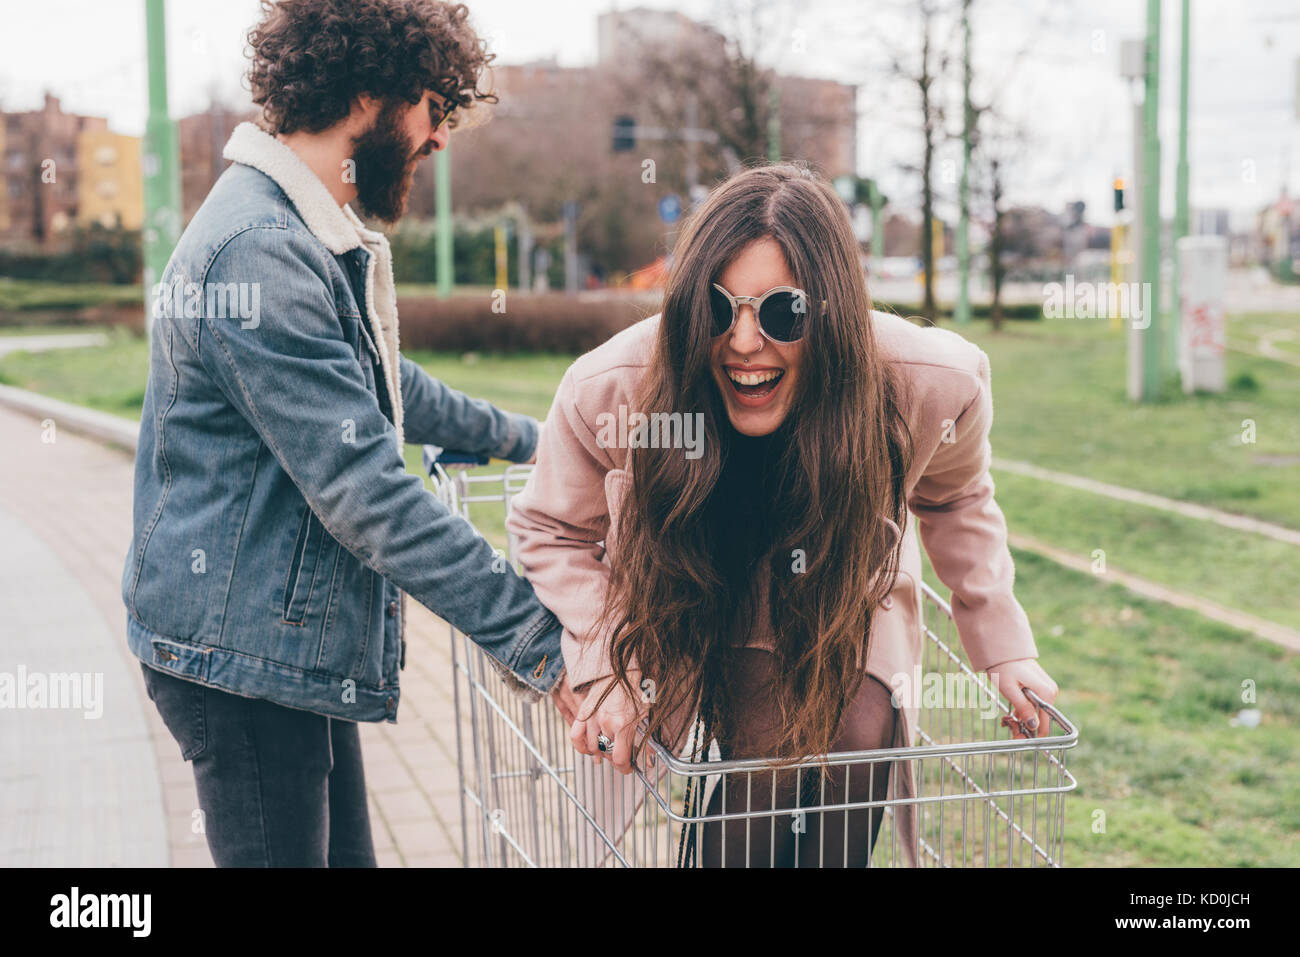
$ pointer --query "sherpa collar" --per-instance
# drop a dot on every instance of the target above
(340, 229)
(255, 147)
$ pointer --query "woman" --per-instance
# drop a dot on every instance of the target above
(762, 578)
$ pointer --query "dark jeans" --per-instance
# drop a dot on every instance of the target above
(278, 787)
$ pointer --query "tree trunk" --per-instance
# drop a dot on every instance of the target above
(995, 249)
(928, 308)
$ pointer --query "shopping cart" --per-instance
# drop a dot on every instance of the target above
(979, 797)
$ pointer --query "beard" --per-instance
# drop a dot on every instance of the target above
(385, 166)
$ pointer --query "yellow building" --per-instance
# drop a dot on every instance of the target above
(110, 189)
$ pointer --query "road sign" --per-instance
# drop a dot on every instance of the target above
(670, 208)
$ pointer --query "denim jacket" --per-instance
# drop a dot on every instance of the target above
(276, 527)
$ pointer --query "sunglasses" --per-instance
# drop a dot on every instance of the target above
(780, 311)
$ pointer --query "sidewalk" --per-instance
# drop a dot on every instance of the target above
(114, 791)
(64, 340)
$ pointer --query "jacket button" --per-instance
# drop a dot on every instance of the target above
(390, 705)
(392, 609)
(887, 602)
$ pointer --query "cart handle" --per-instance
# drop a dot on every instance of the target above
(451, 459)
(1043, 705)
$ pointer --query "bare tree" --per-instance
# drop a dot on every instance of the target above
(999, 144)
(714, 79)
(922, 76)
(1000, 147)
(997, 271)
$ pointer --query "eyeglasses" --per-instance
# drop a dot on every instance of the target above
(780, 311)
(440, 109)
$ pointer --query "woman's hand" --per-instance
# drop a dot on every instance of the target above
(1011, 677)
(616, 718)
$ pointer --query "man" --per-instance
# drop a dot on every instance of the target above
(276, 526)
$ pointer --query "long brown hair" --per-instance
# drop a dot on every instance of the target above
(836, 467)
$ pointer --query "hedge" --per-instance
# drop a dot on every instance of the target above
(546, 322)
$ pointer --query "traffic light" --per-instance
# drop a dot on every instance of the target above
(1119, 193)
(624, 134)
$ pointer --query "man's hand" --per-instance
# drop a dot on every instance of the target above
(567, 701)
(533, 460)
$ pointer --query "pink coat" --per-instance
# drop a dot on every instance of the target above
(565, 538)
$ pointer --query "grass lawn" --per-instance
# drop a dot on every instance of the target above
(518, 383)
(1239, 569)
(1282, 331)
(19, 294)
(1151, 687)
(1059, 402)
(110, 378)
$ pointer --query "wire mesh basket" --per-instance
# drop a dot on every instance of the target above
(964, 793)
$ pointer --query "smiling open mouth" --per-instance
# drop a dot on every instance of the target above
(755, 385)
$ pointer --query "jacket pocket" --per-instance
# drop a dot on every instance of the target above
(895, 617)
(302, 569)
(894, 636)
(367, 358)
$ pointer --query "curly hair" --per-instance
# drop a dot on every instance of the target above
(312, 58)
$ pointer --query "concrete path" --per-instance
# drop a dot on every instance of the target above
(79, 784)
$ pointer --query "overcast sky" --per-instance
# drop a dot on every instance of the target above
(1051, 65)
